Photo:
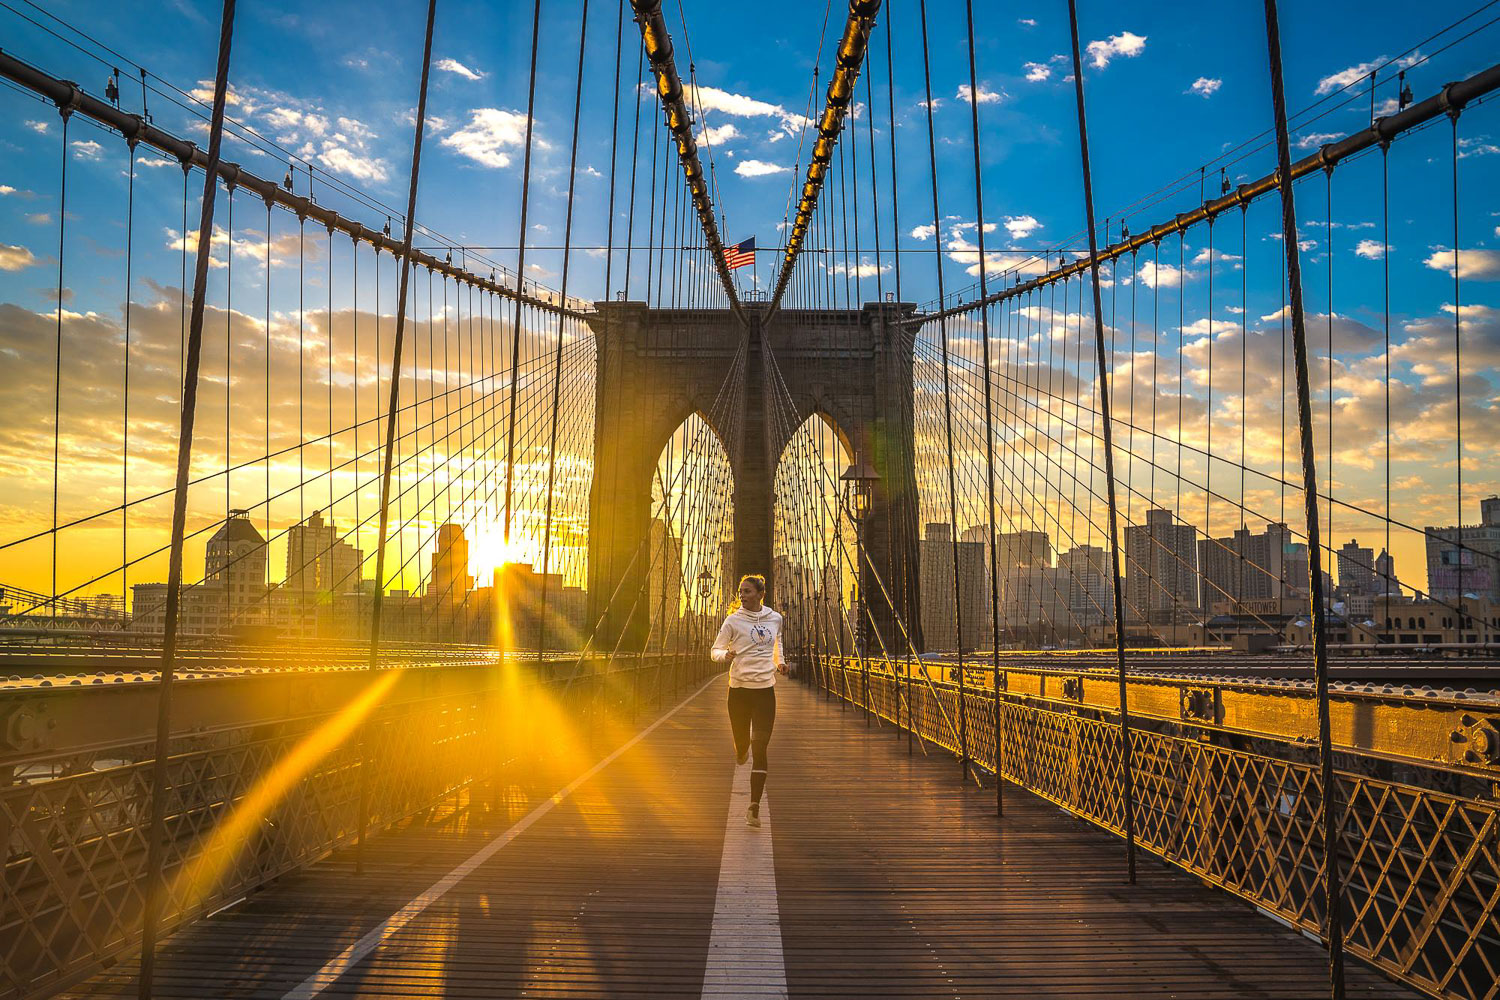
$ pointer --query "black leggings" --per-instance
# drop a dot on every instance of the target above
(752, 713)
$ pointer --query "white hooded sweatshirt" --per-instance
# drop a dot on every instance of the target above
(755, 640)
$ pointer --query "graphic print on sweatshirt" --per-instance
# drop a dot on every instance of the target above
(760, 635)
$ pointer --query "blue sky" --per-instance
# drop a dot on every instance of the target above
(1149, 123)
(1170, 87)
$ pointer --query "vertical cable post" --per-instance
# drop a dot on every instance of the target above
(156, 890)
(390, 418)
(515, 332)
(937, 223)
(1332, 892)
(1102, 379)
(989, 413)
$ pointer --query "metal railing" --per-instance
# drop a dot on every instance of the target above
(267, 774)
(1240, 810)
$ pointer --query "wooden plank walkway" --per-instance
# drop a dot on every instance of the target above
(891, 878)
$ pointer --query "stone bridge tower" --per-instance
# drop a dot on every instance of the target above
(657, 367)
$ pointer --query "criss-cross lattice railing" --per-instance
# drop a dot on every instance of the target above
(1422, 844)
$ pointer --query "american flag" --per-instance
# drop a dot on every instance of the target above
(742, 254)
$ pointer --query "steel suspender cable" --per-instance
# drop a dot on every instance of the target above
(155, 887)
(937, 224)
(1328, 808)
(989, 416)
(583, 31)
(377, 597)
(62, 229)
(1127, 776)
(125, 387)
(515, 332)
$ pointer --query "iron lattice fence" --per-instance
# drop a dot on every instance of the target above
(1420, 865)
(251, 803)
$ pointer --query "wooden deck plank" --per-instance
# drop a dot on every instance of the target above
(892, 879)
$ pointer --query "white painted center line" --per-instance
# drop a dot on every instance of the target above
(744, 950)
(351, 956)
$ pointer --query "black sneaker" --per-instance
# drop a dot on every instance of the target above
(752, 815)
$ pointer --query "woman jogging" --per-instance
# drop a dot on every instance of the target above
(750, 643)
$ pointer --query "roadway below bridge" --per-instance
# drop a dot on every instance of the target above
(627, 871)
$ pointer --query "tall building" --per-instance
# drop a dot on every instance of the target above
(1385, 574)
(664, 588)
(1017, 553)
(449, 579)
(1161, 575)
(1022, 548)
(1465, 559)
(1356, 569)
(318, 561)
(514, 605)
(1251, 567)
(729, 582)
(1036, 610)
(233, 597)
(1087, 570)
(235, 558)
(939, 629)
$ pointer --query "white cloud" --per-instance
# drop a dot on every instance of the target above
(984, 96)
(1021, 226)
(937, 102)
(717, 135)
(1038, 72)
(1312, 139)
(759, 168)
(1303, 245)
(1205, 86)
(1029, 22)
(37, 126)
(923, 232)
(489, 133)
(1370, 249)
(1344, 77)
(1166, 276)
(1126, 44)
(864, 269)
(204, 92)
(957, 229)
(87, 149)
(342, 159)
(706, 99)
(6, 189)
(459, 69)
(1478, 145)
(1217, 256)
(1475, 265)
(15, 258)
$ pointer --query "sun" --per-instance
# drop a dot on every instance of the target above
(489, 551)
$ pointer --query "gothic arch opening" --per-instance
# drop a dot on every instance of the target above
(680, 587)
(814, 555)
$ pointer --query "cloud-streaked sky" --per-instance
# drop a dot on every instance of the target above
(1170, 87)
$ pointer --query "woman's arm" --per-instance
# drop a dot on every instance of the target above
(721, 653)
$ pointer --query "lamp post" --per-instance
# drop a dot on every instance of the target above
(859, 498)
(705, 590)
